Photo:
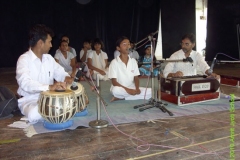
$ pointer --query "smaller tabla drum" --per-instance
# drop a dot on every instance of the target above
(82, 98)
(57, 107)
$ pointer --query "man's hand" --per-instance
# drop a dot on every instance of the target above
(133, 91)
(73, 75)
(58, 86)
(85, 50)
(138, 91)
(177, 74)
(214, 75)
(68, 80)
(102, 72)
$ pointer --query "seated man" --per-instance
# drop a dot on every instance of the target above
(98, 61)
(36, 71)
(124, 72)
(66, 59)
(179, 69)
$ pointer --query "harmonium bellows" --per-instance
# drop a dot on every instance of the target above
(189, 89)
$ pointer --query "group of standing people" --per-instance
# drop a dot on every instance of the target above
(38, 71)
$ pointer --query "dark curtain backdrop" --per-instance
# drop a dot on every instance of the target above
(105, 19)
(223, 17)
(178, 18)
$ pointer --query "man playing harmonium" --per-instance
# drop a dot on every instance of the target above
(180, 69)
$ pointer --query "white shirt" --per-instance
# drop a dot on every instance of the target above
(124, 74)
(116, 53)
(98, 60)
(82, 53)
(64, 62)
(187, 68)
(72, 50)
(132, 53)
(34, 75)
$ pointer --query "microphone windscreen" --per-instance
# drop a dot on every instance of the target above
(190, 59)
(82, 66)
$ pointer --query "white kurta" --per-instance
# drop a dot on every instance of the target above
(34, 76)
(98, 61)
(72, 50)
(187, 68)
(65, 62)
(125, 76)
(81, 55)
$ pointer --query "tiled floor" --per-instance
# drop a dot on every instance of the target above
(200, 137)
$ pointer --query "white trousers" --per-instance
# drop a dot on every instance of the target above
(101, 77)
(29, 108)
(121, 93)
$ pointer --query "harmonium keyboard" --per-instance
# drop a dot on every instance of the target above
(189, 89)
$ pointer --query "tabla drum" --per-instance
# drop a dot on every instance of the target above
(82, 99)
(57, 107)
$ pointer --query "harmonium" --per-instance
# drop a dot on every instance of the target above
(189, 89)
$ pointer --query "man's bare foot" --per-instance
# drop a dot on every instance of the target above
(116, 99)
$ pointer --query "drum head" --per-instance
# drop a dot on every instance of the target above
(79, 89)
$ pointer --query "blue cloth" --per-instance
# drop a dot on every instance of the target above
(123, 112)
(143, 71)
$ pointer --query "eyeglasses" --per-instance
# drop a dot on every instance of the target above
(186, 44)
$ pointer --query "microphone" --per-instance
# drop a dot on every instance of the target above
(188, 59)
(130, 50)
(77, 76)
(210, 71)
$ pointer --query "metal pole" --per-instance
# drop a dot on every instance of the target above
(98, 123)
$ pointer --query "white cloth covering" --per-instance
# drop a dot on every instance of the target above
(125, 76)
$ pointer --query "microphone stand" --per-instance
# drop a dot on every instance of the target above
(219, 61)
(152, 34)
(152, 102)
(158, 103)
(148, 37)
(98, 123)
(98, 94)
(81, 73)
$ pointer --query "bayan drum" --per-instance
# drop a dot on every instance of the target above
(82, 100)
(57, 108)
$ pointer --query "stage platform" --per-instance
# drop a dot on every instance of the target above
(199, 136)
